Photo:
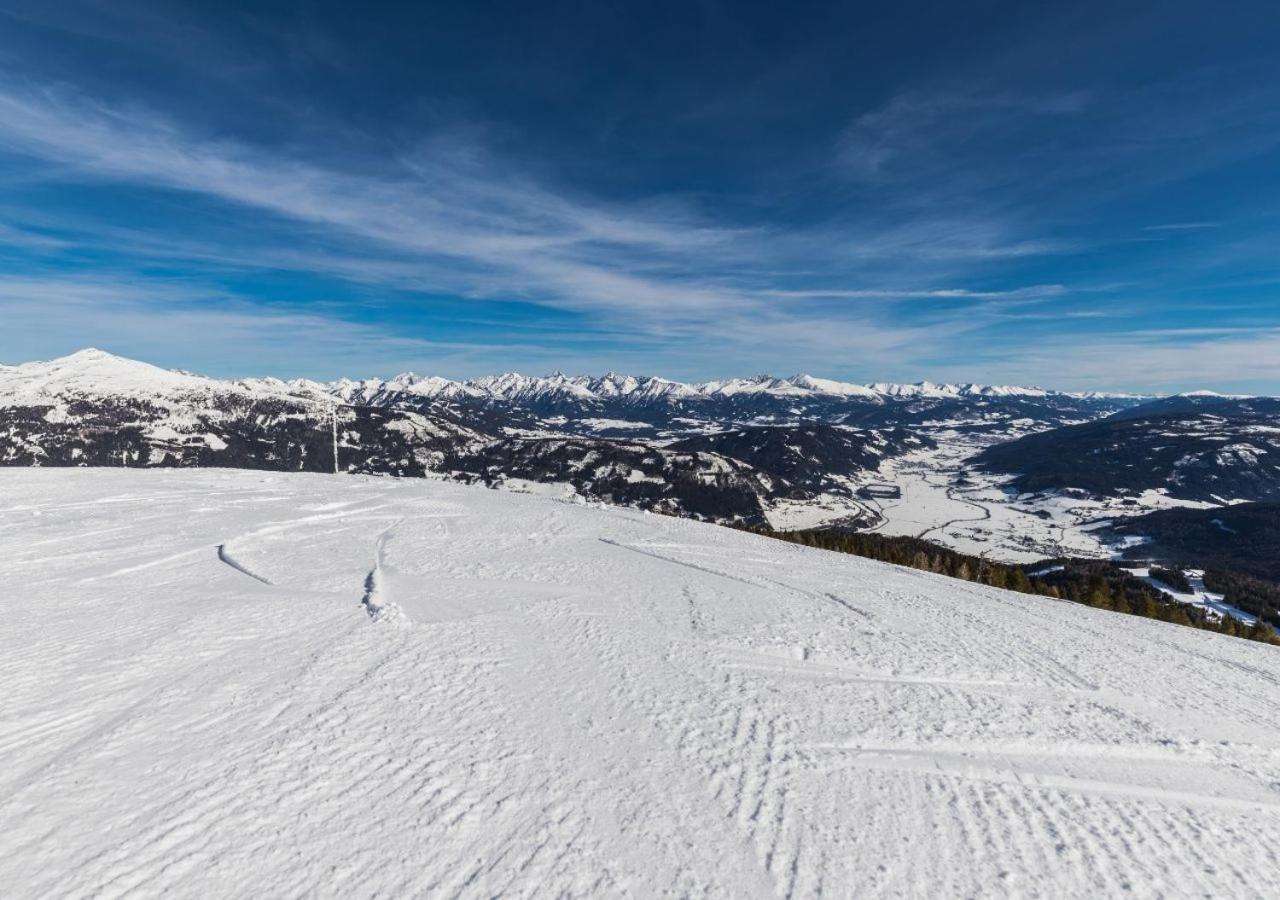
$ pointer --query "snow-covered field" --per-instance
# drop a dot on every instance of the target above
(948, 501)
(223, 682)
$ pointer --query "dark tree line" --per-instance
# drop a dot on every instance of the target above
(1238, 546)
(1172, 577)
(1244, 538)
(1244, 592)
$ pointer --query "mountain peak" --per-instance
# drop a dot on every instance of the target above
(94, 372)
(89, 353)
(91, 358)
(1213, 395)
(828, 386)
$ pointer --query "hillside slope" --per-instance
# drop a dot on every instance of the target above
(231, 682)
(1193, 448)
(1245, 537)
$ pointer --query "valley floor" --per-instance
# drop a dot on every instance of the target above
(947, 500)
(222, 682)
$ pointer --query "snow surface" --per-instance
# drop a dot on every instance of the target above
(237, 683)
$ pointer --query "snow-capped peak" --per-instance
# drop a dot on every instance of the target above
(93, 372)
(836, 388)
(611, 384)
(514, 386)
(929, 389)
(431, 385)
(760, 384)
(1213, 395)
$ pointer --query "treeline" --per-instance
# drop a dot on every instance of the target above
(1242, 538)
(1096, 583)
(1244, 592)
(1172, 577)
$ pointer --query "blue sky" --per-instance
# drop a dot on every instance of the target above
(1075, 195)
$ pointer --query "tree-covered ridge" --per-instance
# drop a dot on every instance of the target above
(1172, 577)
(1244, 537)
(1230, 451)
(1253, 595)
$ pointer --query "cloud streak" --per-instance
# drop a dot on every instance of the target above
(447, 218)
(439, 206)
(933, 255)
(1157, 362)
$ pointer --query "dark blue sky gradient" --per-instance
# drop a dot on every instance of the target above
(1073, 195)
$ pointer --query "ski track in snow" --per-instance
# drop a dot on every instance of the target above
(583, 702)
(376, 601)
(230, 560)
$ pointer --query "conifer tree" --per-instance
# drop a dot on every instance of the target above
(1099, 593)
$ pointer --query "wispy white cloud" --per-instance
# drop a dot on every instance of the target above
(464, 219)
(449, 218)
(660, 275)
(187, 324)
(1155, 360)
(14, 236)
(993, 147)
(1183, 226)
(179, 322)
(435, 205)
(1037, 291)
(900, 137)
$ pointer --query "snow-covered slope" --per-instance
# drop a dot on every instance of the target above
(95, 373)
(1195, 448)
(562, 701)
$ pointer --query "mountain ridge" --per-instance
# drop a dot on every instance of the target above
(514, 385)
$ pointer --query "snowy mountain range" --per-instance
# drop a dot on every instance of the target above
(642, 390)
(96, 372)
(726, 450)
(655, 408)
